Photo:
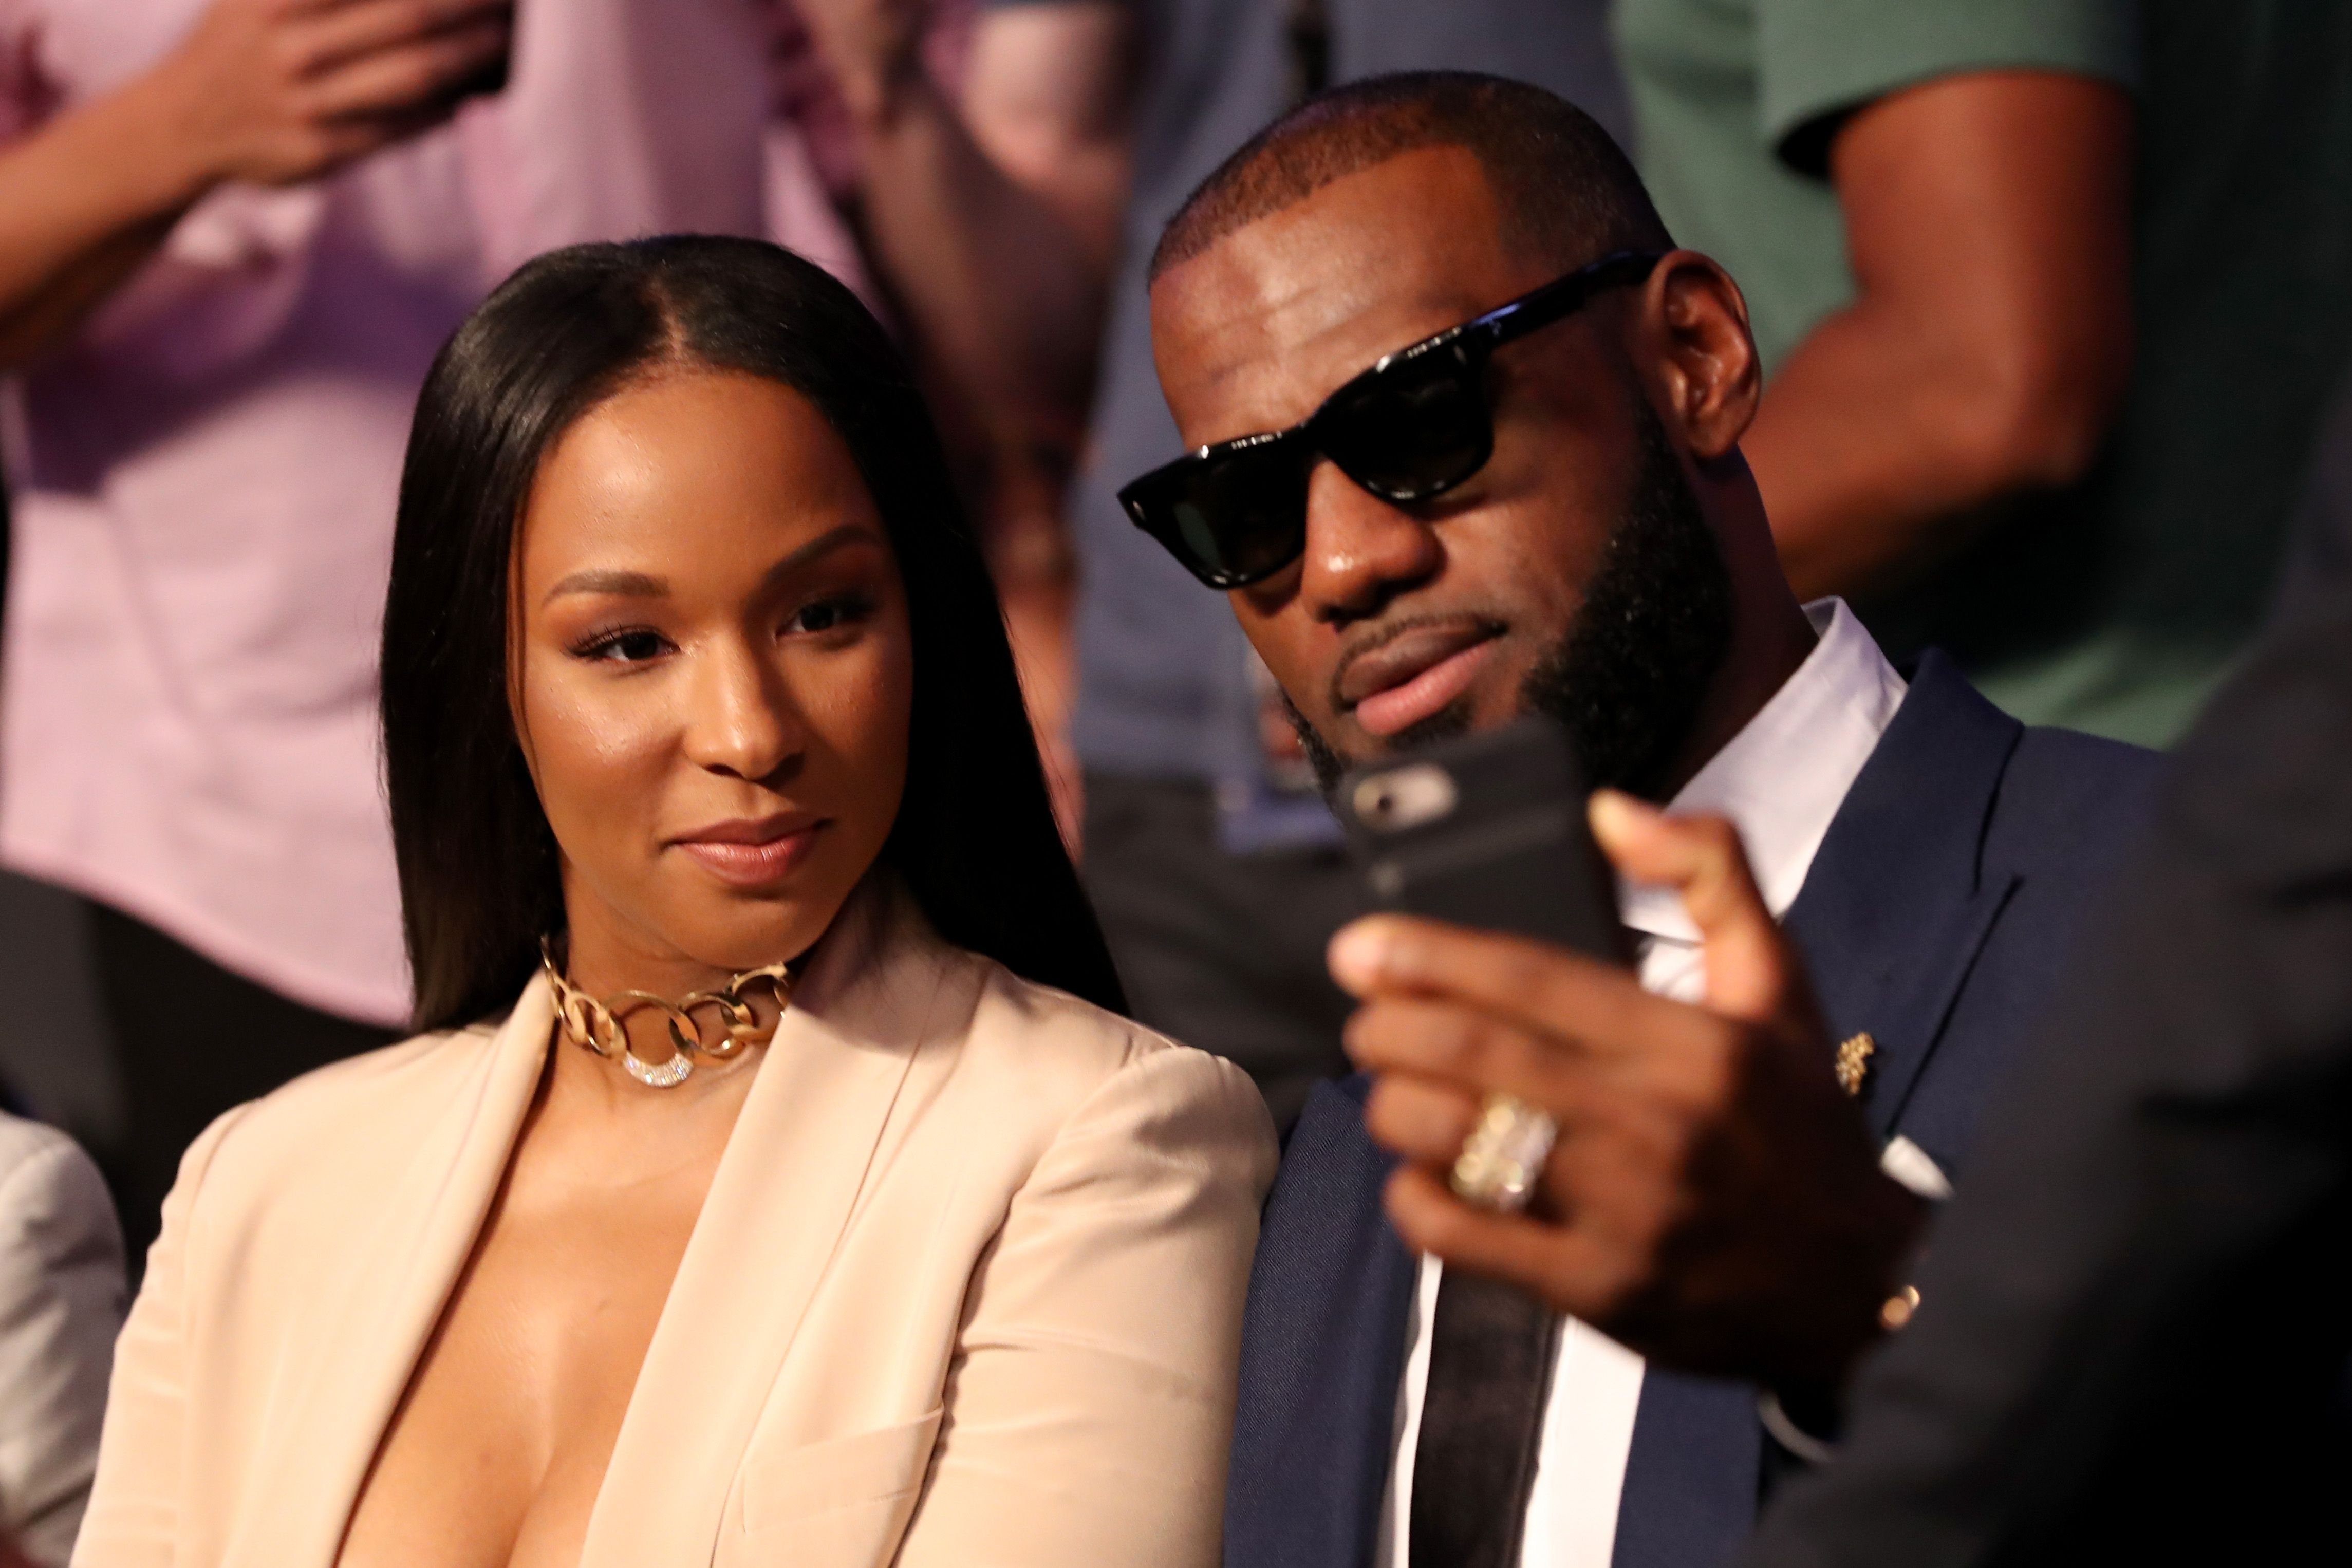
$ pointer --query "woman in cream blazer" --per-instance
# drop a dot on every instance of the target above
(955, 1275)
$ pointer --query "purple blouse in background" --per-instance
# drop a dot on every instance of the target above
(203, 482)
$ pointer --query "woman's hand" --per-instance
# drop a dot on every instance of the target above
(1714, 1200)
(277, 91)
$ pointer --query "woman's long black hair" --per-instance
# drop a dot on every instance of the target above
(975, 839)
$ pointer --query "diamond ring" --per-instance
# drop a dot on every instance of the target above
(1503, 1157)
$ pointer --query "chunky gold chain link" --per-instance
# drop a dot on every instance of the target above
(597, 1024)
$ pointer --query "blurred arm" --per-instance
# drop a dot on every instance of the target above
(271, 92)
(61, 1301)
(1989, 224)
(995, 219)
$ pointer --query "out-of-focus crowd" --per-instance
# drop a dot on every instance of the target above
(2053, 299)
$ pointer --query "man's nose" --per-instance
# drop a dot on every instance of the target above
(1361, 551)
(741, 719)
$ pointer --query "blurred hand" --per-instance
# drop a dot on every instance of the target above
(1715, 1200)
(278, 91)
(873, 48)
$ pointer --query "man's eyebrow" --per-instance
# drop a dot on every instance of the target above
(645, 586)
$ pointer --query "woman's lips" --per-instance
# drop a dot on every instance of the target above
(1410, 700)
(752, 863)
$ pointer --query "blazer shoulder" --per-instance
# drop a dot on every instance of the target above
(1052, 1052)
(320, 1119)
(26, 1145)
(48, 1184)
(2069, 796)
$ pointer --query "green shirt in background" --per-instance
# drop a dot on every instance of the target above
(2117, 605)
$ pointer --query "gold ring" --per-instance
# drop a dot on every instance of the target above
(1503, 1157)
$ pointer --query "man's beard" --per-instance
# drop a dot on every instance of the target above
(1628, 675)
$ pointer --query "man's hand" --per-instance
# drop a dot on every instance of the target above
(1715, 1200)
(277, 91)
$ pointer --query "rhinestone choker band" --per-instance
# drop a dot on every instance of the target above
(586, 1021)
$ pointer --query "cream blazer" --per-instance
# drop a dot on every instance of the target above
(967, 1289)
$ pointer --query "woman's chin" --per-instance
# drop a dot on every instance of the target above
(751, 932)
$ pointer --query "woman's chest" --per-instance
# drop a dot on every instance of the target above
(500, 1446)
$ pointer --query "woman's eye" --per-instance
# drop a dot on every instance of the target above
(828, 615)
(627, 647)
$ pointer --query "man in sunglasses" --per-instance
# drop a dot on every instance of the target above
(1466, 437)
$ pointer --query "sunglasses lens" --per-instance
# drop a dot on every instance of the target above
(1414, 430)
(1233, 520)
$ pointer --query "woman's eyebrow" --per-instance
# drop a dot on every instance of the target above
(628, 585)
(824, 543)
(645, 586)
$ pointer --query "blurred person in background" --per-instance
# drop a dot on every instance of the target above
(2319, 547)
(61, 1301)
(1015, 225)
(2049, 293)
(232, 236)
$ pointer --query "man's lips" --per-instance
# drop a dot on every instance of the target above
(753, 854)
(1413, 675)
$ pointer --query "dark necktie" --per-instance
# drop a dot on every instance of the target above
(1490, 1357)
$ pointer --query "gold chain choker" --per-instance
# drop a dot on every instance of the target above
(585, 1021)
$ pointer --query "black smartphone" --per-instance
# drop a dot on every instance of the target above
(1488, 831)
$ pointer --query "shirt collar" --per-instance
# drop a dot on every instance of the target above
(1782, 778)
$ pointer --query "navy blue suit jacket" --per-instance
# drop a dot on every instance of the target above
(1935, 916)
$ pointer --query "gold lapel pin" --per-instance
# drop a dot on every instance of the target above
(1854, 1062)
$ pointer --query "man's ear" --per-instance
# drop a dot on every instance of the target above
(1695, 354)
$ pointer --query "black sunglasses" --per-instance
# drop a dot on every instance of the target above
(1414, 425)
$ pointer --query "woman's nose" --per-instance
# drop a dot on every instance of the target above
(741, 718)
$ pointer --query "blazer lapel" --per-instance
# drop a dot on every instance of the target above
(1897, 904)
(1890, 920)
(781, 1195)
(1322, 1351)
(370, 1325)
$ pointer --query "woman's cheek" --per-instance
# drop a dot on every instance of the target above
(862, 705)
(598, 751)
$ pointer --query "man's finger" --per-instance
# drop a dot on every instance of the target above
(1548, 1260)
(1441, 1037)
(1701, 859)
(1419, 1118)
(1545, 990)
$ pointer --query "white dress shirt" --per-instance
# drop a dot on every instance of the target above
(1781, 781)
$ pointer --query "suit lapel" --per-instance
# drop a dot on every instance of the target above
(1322, 1351)
(781, 1196)
(1892, 915)
(372, 1324)
(1897, 904)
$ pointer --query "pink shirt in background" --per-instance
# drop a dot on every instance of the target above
(203, 482)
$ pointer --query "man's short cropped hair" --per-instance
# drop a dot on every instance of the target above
(1567, 192)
